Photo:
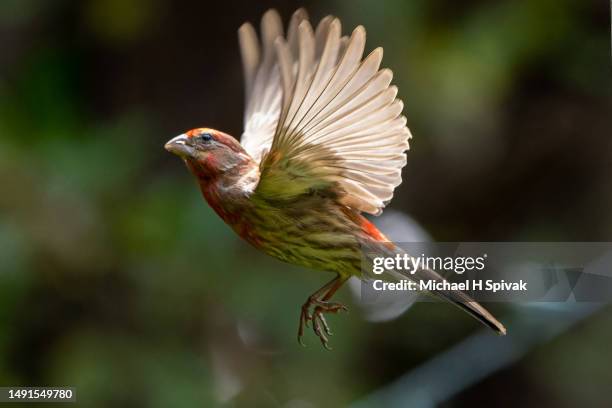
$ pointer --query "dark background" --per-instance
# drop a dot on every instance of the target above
(116, 278)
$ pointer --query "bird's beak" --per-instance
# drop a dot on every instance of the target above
(180, 146)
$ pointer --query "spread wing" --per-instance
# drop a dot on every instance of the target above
(337, 120)
(262, 79)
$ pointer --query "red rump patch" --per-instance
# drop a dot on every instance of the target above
(368, 228)
(371, 230)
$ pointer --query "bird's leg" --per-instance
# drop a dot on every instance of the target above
(321, 303)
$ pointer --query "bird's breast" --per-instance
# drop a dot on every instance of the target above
(318, 235)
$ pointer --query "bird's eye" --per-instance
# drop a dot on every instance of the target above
(205, 137)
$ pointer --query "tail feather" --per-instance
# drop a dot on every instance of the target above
(459, 299)
(377, 243)
(482, 315)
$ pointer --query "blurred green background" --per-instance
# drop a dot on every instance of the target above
(116, 278)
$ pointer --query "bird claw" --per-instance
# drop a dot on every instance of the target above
(318, 314)
(305, 318)
(319, 324)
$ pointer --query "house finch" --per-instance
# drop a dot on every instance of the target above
(324, 141)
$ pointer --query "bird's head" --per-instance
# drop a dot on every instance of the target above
(208, 153)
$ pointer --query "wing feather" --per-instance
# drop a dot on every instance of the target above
(262, 78)
(319, 115)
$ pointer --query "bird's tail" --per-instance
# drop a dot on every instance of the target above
(378, 244)
(456, 297)
(463, 301)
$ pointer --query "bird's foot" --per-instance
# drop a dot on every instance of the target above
(319, 323)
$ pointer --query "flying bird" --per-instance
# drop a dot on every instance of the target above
(324, 141)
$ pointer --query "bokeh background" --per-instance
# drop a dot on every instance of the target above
(117, 279)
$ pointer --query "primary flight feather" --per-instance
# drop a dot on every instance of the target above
(324, 140)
